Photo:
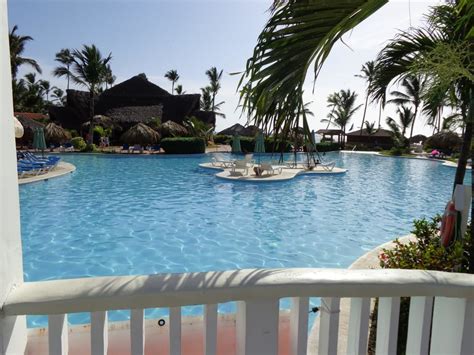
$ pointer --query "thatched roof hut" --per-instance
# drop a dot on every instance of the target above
(238, 129)
(418, 138)
(56, 134)
(173, 129)
(135, 114)
(381, 138)
(100, 120)
(140, 134)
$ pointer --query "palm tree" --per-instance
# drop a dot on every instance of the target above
(109, 77)
(298, 36)
(206, 103)
(344, 110)
(45, 87)
(405, 119)
(64, 56)
(333, 101)
(17, 47)
(368, 74)
(370, 128)
(179, 90)
(58, 96)
(215, 83)
(173, 76)
(414, 86)
(89, 69)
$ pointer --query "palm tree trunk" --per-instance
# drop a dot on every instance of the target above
(365, 110)
(380, 114)
(91, 116)
(330, 117)
(413, 123)
(172, 87)
(68, 78)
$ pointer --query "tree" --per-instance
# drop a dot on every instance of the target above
(414, 86)
(17, 47)
(46, 88)
(89, 69)
(215, 84)
(333, 101)
(64, 56)
(173, 76)
(344, 110)
(405, 119)
(109, 77)
(206, 103)
(370, 128)
(368, 74)
(58, 96)
(179, 90)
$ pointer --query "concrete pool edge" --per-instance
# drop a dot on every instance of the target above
(369, 260)
(61, 169)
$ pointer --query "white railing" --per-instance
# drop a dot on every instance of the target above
(440, 321)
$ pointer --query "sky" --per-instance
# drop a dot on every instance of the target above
(154, 36)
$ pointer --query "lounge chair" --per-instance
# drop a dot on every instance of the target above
(241, 165)
(271, 169)
(219, 161)
(125, 148)
(136, 148)
(329, 166)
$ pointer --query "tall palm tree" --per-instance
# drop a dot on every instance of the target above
(414, 88)
(344, 110)
(109, 77)
(17, 47)
(214, 83)
(89, 69)
(45, 87)
(173, 76)
(64, 56)
(368, 74)
(333, 101)
(370, 128)
(179, 90)
(58, 96)
(207, 104)
(405, 119)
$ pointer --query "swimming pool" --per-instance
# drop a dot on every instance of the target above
(123, 215)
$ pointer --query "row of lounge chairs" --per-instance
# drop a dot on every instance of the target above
(247, 163)
(29, 164)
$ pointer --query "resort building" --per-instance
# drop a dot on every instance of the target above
(381, 138)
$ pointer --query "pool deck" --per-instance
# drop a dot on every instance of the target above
(61, 169)
(286, 173)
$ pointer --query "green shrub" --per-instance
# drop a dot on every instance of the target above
(426, 253)
(327, 146)
(183, 145)
(89, 148)
(73, 133)
(246, 143)
(78, 143)
(271, 146)
(222, 139)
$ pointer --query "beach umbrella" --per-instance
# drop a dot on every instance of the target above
(259, 145)
(55, 133)
(39, 143)
(19, 131)
(140, 134)
(236, 148)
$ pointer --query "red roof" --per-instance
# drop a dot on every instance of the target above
(31, 115)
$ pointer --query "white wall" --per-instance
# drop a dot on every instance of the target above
(12, 329)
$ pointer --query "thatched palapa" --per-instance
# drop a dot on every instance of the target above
(56, 134)
(239, 130)
(140, 134)
(135, 114)
(173, 129)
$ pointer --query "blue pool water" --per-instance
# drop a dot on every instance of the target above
(124, 215)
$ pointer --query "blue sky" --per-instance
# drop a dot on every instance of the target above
(151, 37)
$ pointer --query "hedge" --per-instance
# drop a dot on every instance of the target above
(222, 139)
(327, 146)
(248, 144)
(183, 145)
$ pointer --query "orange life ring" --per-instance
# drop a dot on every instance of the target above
(447, 224)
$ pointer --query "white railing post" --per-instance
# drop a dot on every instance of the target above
(99, 333)
(419, 325)
(137, 332)
(358, 326)
(12, 329)
(299, 325)
(462, 202)
(257, 327)
(58, 334)
(467, 343)
(448, 326)
(329, 326)
(387, 325)
(210, 329)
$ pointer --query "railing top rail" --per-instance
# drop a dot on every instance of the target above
(172, 290)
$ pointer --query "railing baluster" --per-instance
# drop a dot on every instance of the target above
(137, 332)
(329, 325)
(299, 325)
(99, 333)
(175, 330)
(210, 329)
(467, 344)
(387, 325)
(257, 327)
(419, 325)
(358, 326)
(58, 334)
(448, 322)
